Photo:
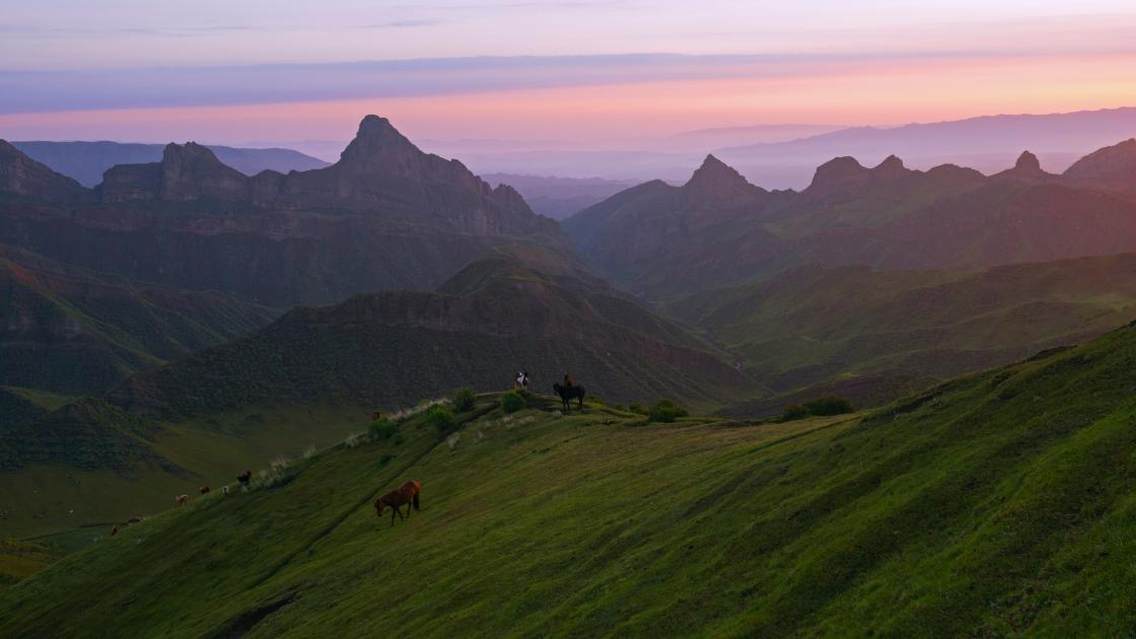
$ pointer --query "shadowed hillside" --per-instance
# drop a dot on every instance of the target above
(70, 331)
(855, 330)
(995, 505)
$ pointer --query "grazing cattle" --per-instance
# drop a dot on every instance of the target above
(568, 393)
(204, 490)
(408, 494)
(244, 478)
(181, 500)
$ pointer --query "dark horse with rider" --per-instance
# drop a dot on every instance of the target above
(568, 391)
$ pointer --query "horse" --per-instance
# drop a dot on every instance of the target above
(244, 478)
(405, 494)
(181, 500)
(568, 393)
(204, 490)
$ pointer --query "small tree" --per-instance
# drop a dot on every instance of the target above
(464, 400)
(442, 419)
(381, 430)
(666, 411)
(793, 412)
(826, 406)
(512, 402)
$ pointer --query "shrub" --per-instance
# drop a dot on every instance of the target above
(463, 400)
(441, 418)
(828, 406)
(512, 402)
(794, 412)
(638, 409)
(666, 411)
(823, 407)
(381, 430)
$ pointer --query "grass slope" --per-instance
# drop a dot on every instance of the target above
(73, 331)
(845, 327)
(996, 505)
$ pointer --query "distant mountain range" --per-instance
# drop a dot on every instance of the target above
(558, 197)
(385, 216)
(785, 156)
(87, 161)
(660, 240)
(985, 143)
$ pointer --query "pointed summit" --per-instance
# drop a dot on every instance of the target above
(891, 166)
(1028, 163)
(716, 180)
(1028, 168)
(378, 146)
(836, 175)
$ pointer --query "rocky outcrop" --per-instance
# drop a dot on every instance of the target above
(1026, 169)
(23, 176)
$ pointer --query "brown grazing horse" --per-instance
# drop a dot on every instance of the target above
(405, 494)
(181, 500)
(204, 490)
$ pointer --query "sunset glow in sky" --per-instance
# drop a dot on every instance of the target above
(586, 72)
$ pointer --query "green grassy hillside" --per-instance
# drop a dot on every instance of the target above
(857, 330)
(314, 373)
(74, 331)
(999, 504)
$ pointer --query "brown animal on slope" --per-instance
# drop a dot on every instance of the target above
(204, 490)
(114, 531)
(245, 478)
(181, 500)
(405, 494)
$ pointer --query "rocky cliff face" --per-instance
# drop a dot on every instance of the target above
(385, 216)
(23, 176)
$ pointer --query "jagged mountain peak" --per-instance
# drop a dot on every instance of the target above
(716, 179)
(377, 137)
(1028, 162)
(891, 165)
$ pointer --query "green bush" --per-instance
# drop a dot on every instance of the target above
(512, 402)
(794, 412)
(442, 419)
(826, 406)
(666, 411)
(823, 407)
(381, 430)
(464, 400)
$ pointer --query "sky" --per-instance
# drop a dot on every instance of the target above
(585, 73)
